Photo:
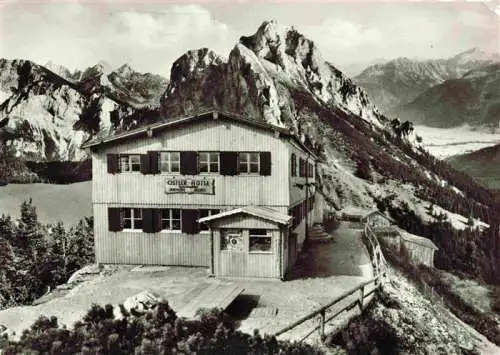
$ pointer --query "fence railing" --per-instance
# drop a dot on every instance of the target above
(322, 313)
(379, 269)
(377, 257)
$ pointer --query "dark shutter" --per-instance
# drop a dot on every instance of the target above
(228, 163)
(145, 164)
(112, 161)
(154, 158)
(293, 164)
(189, 163)
(190, 223)
(147, 220)
(115, 219)
(265, 163)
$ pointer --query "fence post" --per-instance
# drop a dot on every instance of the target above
(322, 324)
(361, 297)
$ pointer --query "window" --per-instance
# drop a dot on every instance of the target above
(208, 162)
(248, 163)
(132, 218)
(259, 241)
(206, 213)
(170, 162)
(130, 162)
(171, 219)
(293, 167)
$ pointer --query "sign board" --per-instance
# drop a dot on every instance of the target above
(191, 185)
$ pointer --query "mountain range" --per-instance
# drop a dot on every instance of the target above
(50, 111)
(405, 87)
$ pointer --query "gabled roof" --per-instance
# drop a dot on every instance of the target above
(256, 211)
(179, 121)
(418, 240)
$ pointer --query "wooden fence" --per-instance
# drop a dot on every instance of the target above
(323, 315)
(377, 257)
(380, 272)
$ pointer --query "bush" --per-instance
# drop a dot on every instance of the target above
(495, 300)
(157, 331)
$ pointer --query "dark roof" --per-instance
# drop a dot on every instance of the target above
(176, 122)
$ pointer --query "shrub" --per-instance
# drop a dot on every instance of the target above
(363, 170)
(157, 331)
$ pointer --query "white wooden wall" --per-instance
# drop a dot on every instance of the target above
(162, 248)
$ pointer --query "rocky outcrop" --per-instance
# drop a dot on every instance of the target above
(259, 78)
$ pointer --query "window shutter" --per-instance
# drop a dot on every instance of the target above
(265, 163)
(228, 163)
(147, 220)
(145, 169)
(112, 161)
(189, 163)
(154, 158)
(301, 167)
(190, 223)
(293, 165)
(115, 219)
(156, 220)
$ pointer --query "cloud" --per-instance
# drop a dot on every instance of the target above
(341, 33)
(78, 34)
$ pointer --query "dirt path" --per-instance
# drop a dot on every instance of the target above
(345, 255)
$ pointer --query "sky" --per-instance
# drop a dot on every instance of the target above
(151, 35)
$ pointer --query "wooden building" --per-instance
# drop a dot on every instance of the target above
(215, 190)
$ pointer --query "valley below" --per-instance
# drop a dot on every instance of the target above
(446, 142)
(54, 203)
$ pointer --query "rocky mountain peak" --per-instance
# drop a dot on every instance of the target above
(124, 70)
(261, 74)
(192, 64)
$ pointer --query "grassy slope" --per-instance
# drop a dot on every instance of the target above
(66, 203)
(483, 165)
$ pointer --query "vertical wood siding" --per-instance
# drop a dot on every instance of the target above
(161, 248)
(206, 136)
(245, 264)
(420, 253)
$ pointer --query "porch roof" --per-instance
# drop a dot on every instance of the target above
(257, 211)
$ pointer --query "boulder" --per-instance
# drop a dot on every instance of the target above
(141, 302)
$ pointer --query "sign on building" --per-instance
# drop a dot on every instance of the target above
(195, 185)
